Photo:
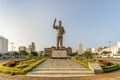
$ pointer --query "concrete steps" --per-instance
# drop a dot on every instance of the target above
(62, 72)
(59, 68)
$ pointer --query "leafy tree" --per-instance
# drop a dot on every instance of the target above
(105, 52)
(0, 55)
(15, 53)
(23, 53)
(30, 56)
(118, 52)
(73, 54)
(88, 54)
(34, 53)
(8, 54)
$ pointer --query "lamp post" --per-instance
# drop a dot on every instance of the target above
(2, 44)
(109, 48)
(12, 47)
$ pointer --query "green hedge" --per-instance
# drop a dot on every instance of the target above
(22, 68)
(111, 68)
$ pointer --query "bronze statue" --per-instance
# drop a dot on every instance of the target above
(59, 34)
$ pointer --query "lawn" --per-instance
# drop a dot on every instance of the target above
(106, 66)
(83, 62)
(20, 67)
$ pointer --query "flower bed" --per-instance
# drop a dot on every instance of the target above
(106, 66)
(20, 67)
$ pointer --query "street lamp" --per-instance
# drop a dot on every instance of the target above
(2, 43)
(109, 47)
(12, 48)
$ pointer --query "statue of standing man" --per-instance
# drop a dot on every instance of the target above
(59, 34)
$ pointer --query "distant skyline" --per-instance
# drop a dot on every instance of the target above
(90, 22)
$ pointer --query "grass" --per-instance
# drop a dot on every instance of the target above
(85, 62)
(21, 67)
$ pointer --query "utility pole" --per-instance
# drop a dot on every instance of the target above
(109, 47)
(12, 48)
(2, 44)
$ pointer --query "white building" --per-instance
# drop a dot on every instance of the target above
(113, 49)
(79, 49)
(3, 45)
(94, 50)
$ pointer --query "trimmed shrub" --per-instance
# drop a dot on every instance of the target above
(105, 63)
(10, 64)
(22, 66)
(111, 69)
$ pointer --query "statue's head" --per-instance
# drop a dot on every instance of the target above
(60, 23)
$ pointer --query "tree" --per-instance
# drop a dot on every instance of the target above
(88, 54)
(23, 53)
(15, 53)
(0, 55)
(118, 52)
(73, 54)
(30, 56)
(34, 53)
(106, 53)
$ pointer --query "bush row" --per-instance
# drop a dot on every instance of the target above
(111, 68)
(23, 69)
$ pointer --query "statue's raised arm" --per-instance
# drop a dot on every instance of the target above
(54, 24)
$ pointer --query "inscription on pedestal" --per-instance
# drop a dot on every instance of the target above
(95, 67)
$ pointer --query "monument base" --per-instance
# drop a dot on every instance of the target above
(59, 54)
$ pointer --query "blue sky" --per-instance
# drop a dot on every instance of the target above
(90, 22)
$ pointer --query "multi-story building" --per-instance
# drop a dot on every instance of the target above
(79, 49)
(22, 48)
(113, 49)
(31, 47)
(3, 45)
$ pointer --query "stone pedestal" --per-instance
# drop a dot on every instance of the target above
(95, 67)
(59, 54)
